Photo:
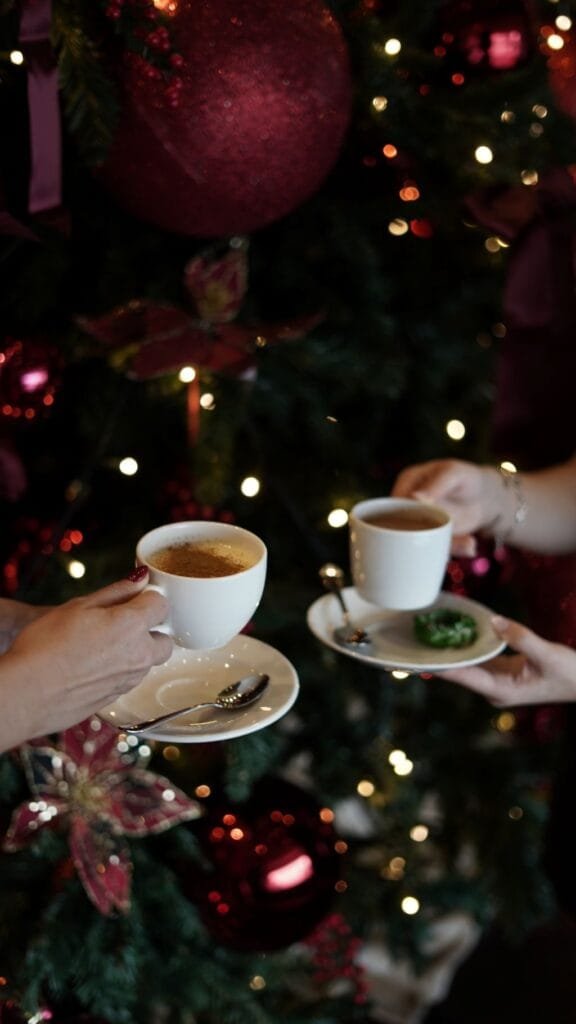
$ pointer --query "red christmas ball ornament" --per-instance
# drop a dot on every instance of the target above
(562, 76)
(276, 867)
(264, 104)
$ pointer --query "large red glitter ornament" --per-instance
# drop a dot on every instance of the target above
(277, 867)
(263, 109)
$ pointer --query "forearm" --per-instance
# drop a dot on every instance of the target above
(14, 617)
(19, 718)
(547, 497)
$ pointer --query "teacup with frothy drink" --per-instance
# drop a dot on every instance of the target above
(399, 551)
(213, 575)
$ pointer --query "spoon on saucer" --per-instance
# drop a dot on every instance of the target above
(236, 695)
(332, 578)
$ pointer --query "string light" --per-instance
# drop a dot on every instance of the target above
(456, 430)
(207, 401)
(128, 466)
(508, 116)
(563, 23)
(76, 569)
(379, 103)
(398, 674)
(398, 227)
(392, 47)
(404, 767)
(419, 833)
(257, 983)
(365, 788)
(483, 154)
(337, 518)
(410, 905)
(250, 486)
(555, 42)
(16, 57)
(187, 374)
(508, 467)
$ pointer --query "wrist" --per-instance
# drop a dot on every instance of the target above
(508, 505)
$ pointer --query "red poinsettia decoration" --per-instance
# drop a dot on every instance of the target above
(162, 338)
(95, 784)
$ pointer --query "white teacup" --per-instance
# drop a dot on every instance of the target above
(207, 610)
(399, 551)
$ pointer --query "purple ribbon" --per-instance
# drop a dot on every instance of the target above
(43, 104)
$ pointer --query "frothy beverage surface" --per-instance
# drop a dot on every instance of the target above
(405, 519)
(202, 558)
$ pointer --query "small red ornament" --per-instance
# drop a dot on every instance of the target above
(263, 108)
(275, 867)
(486, 36)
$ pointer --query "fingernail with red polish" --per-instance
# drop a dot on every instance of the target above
(137, 574)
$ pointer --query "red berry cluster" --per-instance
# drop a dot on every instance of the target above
(334, 950)
(149, 49)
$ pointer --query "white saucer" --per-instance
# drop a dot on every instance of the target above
(189, 677)
(394, 645)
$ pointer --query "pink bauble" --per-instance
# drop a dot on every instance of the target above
(264, 108)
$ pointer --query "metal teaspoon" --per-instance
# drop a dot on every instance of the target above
(235, 695)
(332, 578)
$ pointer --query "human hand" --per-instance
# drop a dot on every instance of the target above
(78, 657)
(541, 672)
(470, 494)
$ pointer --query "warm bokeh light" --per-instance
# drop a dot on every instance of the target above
(419, 833)
(555, 42)
(187, 374)
(365, 788)
(392, 47)
(207, 401)
(379, 103)
(16, 57)
(508, 467)
(483, 155)
(128, 466)
(456, 430)
(337, 518)
(410, 905)
(398, 227)
(250, 486)
(76, 569)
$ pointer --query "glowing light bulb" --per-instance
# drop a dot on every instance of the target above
(398, 227)
(398, 674)
(396, 757)
(379, 103)
(555, 42)
(365, 788)
(128, 466)
(76, 569)
(563, 23)
(187, 374)
(483, 155)
(508, 467)
(455, 430)
(207, 400)
(16, 57)
(419, 833)
(392, 47)
(529, 177)
(404, 767)
(410, 905)
(250, 486)
(337, 517)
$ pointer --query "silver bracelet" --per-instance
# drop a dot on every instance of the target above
(512, 482)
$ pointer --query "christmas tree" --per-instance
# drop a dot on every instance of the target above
(245, 278)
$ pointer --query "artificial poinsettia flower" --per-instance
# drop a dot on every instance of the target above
(159, 338)
(95, 785)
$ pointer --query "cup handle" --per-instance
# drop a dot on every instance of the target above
(163, 627)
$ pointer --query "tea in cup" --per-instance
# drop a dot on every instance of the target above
(212, 574)
(399, 551)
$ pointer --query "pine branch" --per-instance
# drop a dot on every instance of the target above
(89, 95)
